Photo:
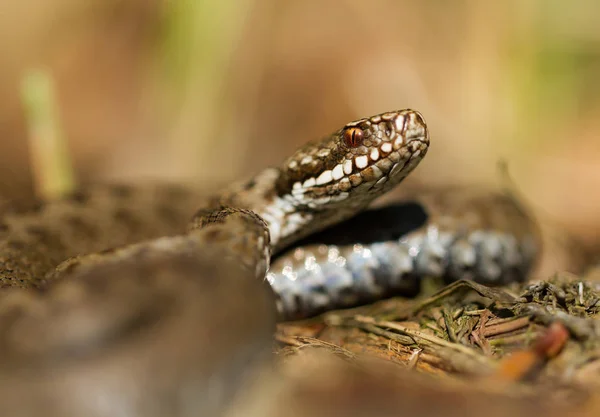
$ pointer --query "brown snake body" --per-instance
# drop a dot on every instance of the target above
(133, 272)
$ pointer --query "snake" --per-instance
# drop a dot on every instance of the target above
(106, 275)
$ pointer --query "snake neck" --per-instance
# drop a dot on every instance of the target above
(288, 219)
(259, 194)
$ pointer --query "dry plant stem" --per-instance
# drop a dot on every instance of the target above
(505, 326)
(304, 341)
(449, 327)
(460, 357)
(50, 160)
(492, 293)
(477, 334)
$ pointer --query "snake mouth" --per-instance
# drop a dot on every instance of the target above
(415, 150)
(364, 159)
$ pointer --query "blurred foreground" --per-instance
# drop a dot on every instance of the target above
(210, 92)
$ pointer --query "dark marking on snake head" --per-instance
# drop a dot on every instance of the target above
(353, 137)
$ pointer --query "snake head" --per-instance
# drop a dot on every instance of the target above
(357, 163)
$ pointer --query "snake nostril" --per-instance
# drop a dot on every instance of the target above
(415, 126)
(417, 119)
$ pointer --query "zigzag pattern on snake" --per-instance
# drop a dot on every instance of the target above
(103, 286)
(324, 183)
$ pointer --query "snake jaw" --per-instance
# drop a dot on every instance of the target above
(359, 162)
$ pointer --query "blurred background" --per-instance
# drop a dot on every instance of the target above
(210, 91)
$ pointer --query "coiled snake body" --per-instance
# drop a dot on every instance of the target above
(111, 302)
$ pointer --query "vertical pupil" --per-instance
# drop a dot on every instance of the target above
(353, 137)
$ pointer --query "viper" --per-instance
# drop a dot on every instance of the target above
(111, 276)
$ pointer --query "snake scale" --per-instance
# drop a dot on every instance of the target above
(101, 285)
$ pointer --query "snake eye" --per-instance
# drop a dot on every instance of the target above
(353, 137)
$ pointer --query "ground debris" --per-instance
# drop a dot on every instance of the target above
(541, 336)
